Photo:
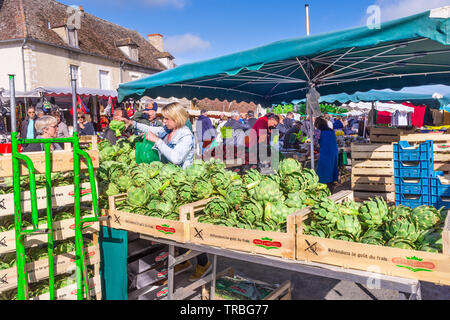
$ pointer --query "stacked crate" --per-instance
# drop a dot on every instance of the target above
(416, 181)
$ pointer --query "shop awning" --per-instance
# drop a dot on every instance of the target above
(382, 96)
(83, 92)
(407, 52)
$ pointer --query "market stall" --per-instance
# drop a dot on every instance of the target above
(401, 53)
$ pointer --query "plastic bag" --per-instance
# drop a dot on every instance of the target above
(145, 153)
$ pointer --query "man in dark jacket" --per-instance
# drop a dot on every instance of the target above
(237, 128)
(148, 116)
(289, 121)
(109, 134)
(251, 119)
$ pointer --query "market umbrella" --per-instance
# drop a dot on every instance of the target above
(411, 51)
(382, 96)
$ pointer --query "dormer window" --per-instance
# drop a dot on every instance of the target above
(68, 34)
(72, 36)
(129, 48)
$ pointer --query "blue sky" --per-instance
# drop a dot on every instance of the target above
(196, 30)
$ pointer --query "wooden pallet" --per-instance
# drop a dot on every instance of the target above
(373, 171)
(412, 264)
(387, 135)
(151, 226)
(282, 292)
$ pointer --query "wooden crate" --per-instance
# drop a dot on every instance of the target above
(62, 196)
(373, 171)
(387, 135)
(151, 226)
(280, 244)
(373, 164)
(423, 266)
(63, 229)
(70, 292)
(282, 292)
(62, 160)
(38, 270)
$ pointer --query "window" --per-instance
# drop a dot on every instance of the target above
(134, 54)
(104, 80)
(75, 73)
(73, 37)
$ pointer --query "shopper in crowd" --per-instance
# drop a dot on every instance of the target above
(294, 136)
(85, 127)
(262, 129)
(63, 130)
(327, 168)
(338, 125)
(288, 122)
(237, 135)
(3, 124)
(148, 116)
(27, 129)
(204, 131)
(251, 118)
(40, 113)
(175, 144)
(46, 128)
(109, 134)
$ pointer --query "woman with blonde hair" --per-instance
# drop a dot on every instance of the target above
(174, 141)
(175, 144)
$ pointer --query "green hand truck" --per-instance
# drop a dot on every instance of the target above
(21, 234)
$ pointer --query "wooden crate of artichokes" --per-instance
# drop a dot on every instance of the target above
(370, 236)
(265, 206)
(147, 198)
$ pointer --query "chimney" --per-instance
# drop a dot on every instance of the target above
(156, 40)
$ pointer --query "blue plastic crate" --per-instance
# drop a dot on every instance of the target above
(413, 201)
(414, 169)
(439, 189)
(423, 152)
(440, 201)
(413, 185)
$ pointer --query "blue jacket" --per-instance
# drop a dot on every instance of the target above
(179, 151)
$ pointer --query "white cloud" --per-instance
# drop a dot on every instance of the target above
(178, 4)
(395, 9)
(186, 43)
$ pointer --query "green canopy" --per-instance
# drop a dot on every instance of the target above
(411, 51)
(382, 96)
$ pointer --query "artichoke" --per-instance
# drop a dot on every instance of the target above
(374, 237)
(350, 225)
(268, 192)
(401, 243)
(235, 195)
(201, 189)
(426, 217)
(185, 193)
(196, 171)
(250, 211)
(217, 208)
(289, 166)
(373, 213)
(399, 211)
(159, 208)
(403, 228)
(296, 200)
(137, 197)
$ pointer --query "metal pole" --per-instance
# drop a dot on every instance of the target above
(12, 103)
(311, 122)
(307, 19)
(73, 82)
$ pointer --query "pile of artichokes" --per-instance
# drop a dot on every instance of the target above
(373, 222)
(250, 201)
